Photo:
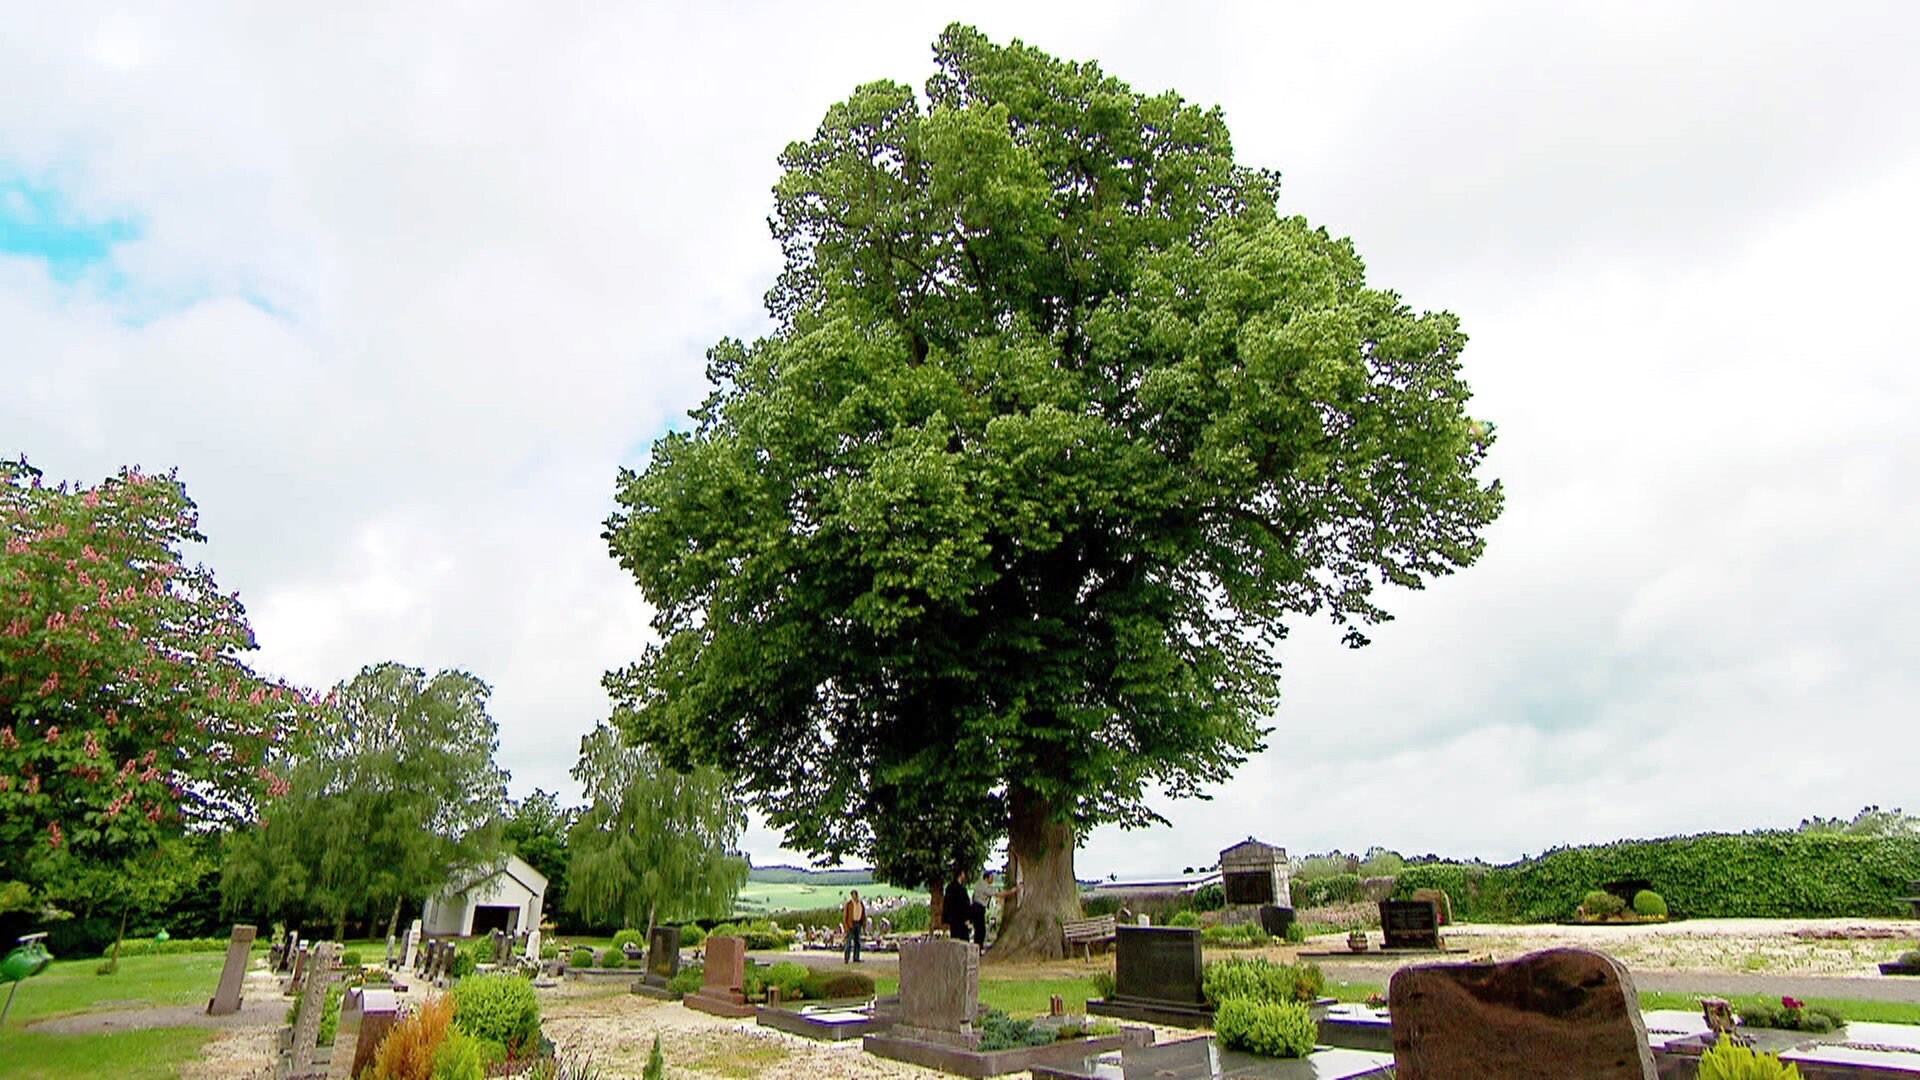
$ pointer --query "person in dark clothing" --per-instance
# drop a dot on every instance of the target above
(954, 905)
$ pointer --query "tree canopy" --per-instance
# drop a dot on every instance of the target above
(390, 795)
(127, 716)
(652, 844)
(1061, 425)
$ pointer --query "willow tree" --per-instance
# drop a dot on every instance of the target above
(653, 843)
(1062, 422)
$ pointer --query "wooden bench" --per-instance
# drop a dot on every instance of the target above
(1086, 933)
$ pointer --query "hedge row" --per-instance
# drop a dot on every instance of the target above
(1749, 875)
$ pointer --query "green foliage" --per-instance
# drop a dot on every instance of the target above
(613, 959)
(653, 844)
(169, 947)
(1184, 918)
(836, 985)
(1600, 904)
(1059, 426)
(759, 934)
(1296, 933)
(1262, 980)
(1730, 1061)
(1245, 935)
(330, 1013)
(627, 937)
(998, 1031)
(1714, 875)
(1790, 1014)
(1282, 1029)
(499, 1008)
(404, 765)
(536, 830)
(692, 936)
(1327, 889)
(127, 718)
(686, 980)
(1211, 897)
(351, 959)
(1104, 984)
(788, 976)
(1649, 904)
(581, 957)
(656, 1063)
(1869, 822)
(460, 1057)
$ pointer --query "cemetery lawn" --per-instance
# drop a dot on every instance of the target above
(1015, 994)
(149, 1054)
(1875, 1012)
(70, 986)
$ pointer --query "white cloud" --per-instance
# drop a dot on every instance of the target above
(410, 283)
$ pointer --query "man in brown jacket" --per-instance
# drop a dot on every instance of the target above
(853, 919)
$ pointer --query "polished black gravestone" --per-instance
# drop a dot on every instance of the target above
(1157, 978)
(1205, 1059)
(663, 963)
(1410, 924)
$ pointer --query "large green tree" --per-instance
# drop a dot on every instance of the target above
(128, 718)
(1061, 424)
(536, 829)
(393, 793)
(652, 844)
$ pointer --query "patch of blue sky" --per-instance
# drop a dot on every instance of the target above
(38, 222)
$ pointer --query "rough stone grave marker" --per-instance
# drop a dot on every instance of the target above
(1545, 1016)
(313, 1002)
(723, 983)
(1157, 977)
(233, 975)
(939, 992)
(366, 1015)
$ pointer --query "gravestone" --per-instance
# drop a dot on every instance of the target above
(233, 975)
(313, 1002)
(366, 1015)
(290, 947)
(663, 962)
(411, 958)
(1253, 875)
(723, 984)
(1410, 924)
(533, 945)
(1545, 1016)
(939, 992)
(1276, 920)
(300, 964)
(1157, 977)
(500, 946)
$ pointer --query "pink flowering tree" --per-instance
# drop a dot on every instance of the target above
(128, 720)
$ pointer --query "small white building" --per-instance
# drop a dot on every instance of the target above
(505, 897)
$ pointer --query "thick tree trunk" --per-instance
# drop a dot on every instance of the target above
(1042, 853)
(393, 921)
(935, 901)
(340, 925)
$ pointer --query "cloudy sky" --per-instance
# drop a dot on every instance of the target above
(397, 287)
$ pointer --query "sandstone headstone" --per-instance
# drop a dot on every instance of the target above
(1545, 1016)
(939, 992)
(233, 975)
(723, 982)
(313, 1002)
(366, 1015)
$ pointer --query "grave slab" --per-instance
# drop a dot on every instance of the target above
(825, 1021)
(233, 974)
(367, 1014)
(1205, 1059)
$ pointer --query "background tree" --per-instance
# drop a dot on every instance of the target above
(651, 844)
(1061, 423)
(127, 718)
(536, 830)
(393, 793)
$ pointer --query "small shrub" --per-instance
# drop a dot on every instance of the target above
(691, 936)
(168, 947)
(549, 949)
(1271, 1029)
(408, 1051)
(656, 1063)
(628, 937)
(686, 980)
(789, 977)
(612, 958)
(460, 1057)
(1600, 904)
(998, 1031)
(1209, 897)
(330, 1014)
(351, 959)
(910, 918)
(1791, 1014)
(1104, 984)
(498, 1008)
(1188, 918)
(1910, 958)
(581, 957)
(833, 985)
(1296, 933)
(1731, 1061)
(1239, 936)
(1649, 904)
(1256, 979)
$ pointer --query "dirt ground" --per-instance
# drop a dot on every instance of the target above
(614, 1029)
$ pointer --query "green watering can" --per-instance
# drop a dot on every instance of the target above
(29, 958)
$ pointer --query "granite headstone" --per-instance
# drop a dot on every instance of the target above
(233, 975)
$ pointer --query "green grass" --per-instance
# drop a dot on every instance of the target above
(1016, 997)
(1881, 1012)
(152, 1054)
(70, 986)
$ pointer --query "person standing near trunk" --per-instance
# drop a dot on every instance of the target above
(853, 920)
(983, 896)
(954, 905)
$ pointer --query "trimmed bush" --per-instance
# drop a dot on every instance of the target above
(1188, 918)
(691, 936)
(832, 985)
(351, 959)
(169, 947)
(1262, 980)
(612, 958)
(1648, 904)
(686, 980)
(1271, 1029)
(498, 1008)
(788, 976)
(1765, 875)
(1239, 936)
(628, 937)
(1731, 1061)
(1600, 904)
(580, 957)
(1791, 1014)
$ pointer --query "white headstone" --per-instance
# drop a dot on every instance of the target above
(533, 944)
(413, 945)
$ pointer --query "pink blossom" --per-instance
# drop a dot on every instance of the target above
(55, 837)
(53, 733)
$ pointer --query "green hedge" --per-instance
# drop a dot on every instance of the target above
(1327, 889)
(1717, 875)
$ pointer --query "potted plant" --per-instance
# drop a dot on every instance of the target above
(1907, 964)
(1357, 940)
